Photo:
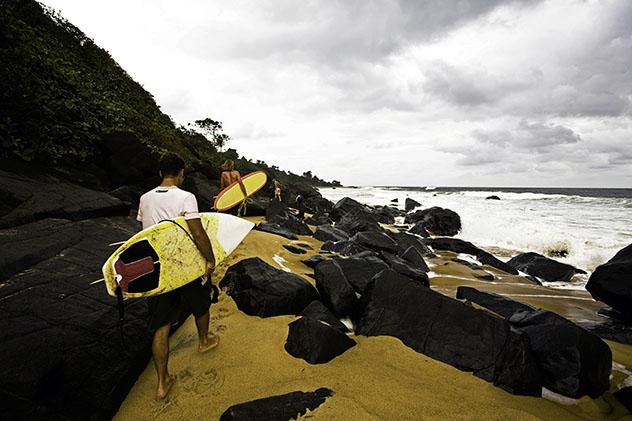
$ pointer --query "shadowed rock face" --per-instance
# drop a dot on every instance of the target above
(63, 354)
(282, 407)
(449, 331)
(544, 268)
(459, 246)
(411, 204)
(315, 341)
(612, 282)
(39, 195)
(261, 290)
(330, 233)
(335, 290)
(573, 361)
(317, 311)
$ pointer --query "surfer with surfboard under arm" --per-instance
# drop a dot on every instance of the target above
(228, 176)
(165, 202)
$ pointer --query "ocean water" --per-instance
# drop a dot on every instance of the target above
(591, 224)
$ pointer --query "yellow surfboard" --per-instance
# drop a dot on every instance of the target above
(164, 257)
(232, 195)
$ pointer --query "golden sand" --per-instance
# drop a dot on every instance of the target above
(378, 379)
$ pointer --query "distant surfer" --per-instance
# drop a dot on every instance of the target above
(165, 202)
(277, 189)
(228, 176)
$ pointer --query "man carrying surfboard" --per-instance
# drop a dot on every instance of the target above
(228, 176)
(165, 202)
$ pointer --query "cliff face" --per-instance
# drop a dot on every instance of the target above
(65, 102)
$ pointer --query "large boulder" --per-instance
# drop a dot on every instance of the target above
(375, 240)
(261, 290)
(385, 214)
(330, 233)
(282, 407)
(404, 241)
(64, 354)
(410, 204)
(419, 229)
(37, 195)
(542, 267)
(358, 220)
(314, 260)
(315, 341)
(203, 189)
(436, 220)
(414, 257)
(459, 246)
(402, 267)
(573, 361)
(317, 311)
(358, 271)
(449, 331)
(344, 206)
(277, 230)
(336, 292)
(612, 282)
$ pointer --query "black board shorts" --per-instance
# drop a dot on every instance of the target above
(168, 308)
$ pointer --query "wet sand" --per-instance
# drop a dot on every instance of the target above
(378, 379)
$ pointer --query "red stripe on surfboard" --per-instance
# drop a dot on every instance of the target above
(219, 196)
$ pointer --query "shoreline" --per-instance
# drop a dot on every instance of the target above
(380, 378)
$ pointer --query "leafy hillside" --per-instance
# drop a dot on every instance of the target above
(61, 95)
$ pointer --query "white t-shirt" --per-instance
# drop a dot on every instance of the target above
(166, 203)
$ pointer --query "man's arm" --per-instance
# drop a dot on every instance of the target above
(241, 185)
(202, 241)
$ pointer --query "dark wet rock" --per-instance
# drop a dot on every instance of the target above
(573, 361)
(358, 271)
(203, 189)
(328, 246)
(411, 204)
(611, 282)
(315, 341)
(544, 268)
(256, 206)
(317, 205)
(278, 213)
(277, 209)
(436, 220)
(419, 229)
(470, 265)
(313, 261)
(358, 220)
(330, 233)
(492, 197)
(396, 200)
(485, 276)
(459, 246)
(37, 195)
(624, 396)
(365, 254)
(318, 219)
(63, 355)
(345, 248)
(610, 329)
(34, 242)
(402, 267)
(261, 290)
(276, 229)
(449, 331)
(334, 288)
(385, 215)
(404, 241)
(293, 249)
(344, 206)
(129, 194)
(278, 408)
(302, 245)
(317, 311)
(414, 257)
(375, 240)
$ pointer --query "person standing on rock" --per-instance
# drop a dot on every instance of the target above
(277, 189)
(228, 176)
(165, 202)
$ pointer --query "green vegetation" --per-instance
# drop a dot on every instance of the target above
(60, 94)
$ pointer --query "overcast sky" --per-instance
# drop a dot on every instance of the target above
(461, 93)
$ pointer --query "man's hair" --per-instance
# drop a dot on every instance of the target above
(228, 165)
(171, 164)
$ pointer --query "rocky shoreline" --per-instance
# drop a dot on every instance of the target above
(410, 297)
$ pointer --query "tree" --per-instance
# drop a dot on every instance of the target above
(214, 130)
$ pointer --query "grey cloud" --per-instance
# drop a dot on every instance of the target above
(528, 135)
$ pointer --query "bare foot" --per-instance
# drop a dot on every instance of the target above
(162, 392)
(211, 342)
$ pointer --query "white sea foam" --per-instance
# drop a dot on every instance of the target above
(592, 229)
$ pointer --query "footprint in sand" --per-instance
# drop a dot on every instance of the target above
(207, 383)
(222, 312)
(220, 328)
